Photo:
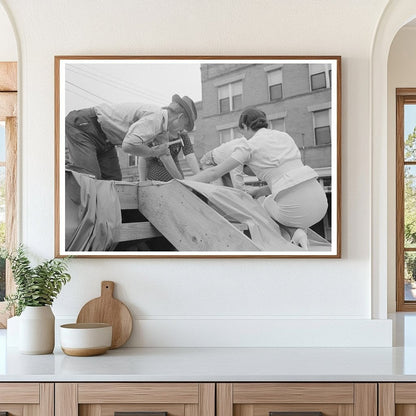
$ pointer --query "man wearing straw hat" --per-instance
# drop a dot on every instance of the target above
(91, 135)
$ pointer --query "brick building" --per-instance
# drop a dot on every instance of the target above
(295, 97)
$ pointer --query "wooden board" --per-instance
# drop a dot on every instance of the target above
(137, 231)
(187, 221)
(127, 194)
(109, 310)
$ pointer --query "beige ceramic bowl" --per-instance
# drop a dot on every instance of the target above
(84, 340)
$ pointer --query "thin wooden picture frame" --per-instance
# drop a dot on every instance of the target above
(298, 96)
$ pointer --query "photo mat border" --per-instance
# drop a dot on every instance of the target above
(336, 245)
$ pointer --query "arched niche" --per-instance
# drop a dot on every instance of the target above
(396, 14)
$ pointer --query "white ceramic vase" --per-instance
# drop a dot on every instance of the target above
(37, 330)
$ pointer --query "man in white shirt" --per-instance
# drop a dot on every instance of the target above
(91, 135)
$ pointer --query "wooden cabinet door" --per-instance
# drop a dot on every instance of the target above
(26, 399)
(143, 399)
(297, 399)
(397, 399)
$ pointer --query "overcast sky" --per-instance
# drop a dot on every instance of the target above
(87, 84)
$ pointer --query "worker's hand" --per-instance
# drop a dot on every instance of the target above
(162, 138)
(161, 150)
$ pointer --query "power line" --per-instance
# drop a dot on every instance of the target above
(113, 85)
(81, 95)
(88, 92)
(125, 84)
(120, 85)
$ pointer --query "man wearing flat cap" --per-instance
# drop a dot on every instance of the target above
(140, 129)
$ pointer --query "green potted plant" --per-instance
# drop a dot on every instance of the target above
(36, 289)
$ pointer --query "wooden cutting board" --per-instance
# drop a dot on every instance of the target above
(108, 310)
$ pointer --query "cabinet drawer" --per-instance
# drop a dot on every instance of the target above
(21, 399)
(293, 392)
(138, 393)
(147, 399)
(296, 399)
(19, 393)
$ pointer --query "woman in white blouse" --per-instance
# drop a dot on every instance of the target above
(295, 198)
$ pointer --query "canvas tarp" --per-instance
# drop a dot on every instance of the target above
(92, 213)
(237, 206)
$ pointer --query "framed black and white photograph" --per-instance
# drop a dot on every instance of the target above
(198, 156)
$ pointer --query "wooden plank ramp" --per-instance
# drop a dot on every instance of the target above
(186, 221)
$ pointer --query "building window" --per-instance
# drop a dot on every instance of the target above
(230, 97)
(406, 200)
(133, 160)
(275, 83)
(318, 81)
(277, 124)
(322, 127)
(228, 134)
(320, 76)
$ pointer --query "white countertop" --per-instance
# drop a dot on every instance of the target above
(215, 364)
(222, 364)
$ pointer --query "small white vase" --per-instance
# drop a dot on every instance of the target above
(37, 330)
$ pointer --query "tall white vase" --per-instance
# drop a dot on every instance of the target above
(37, 330)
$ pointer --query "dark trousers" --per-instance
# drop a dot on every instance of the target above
(87, 150)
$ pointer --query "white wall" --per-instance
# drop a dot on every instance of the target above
(401, 74)
(212, 302)
(8, 46)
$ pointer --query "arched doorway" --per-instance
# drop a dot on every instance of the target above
(401, 124)
(396, 15)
